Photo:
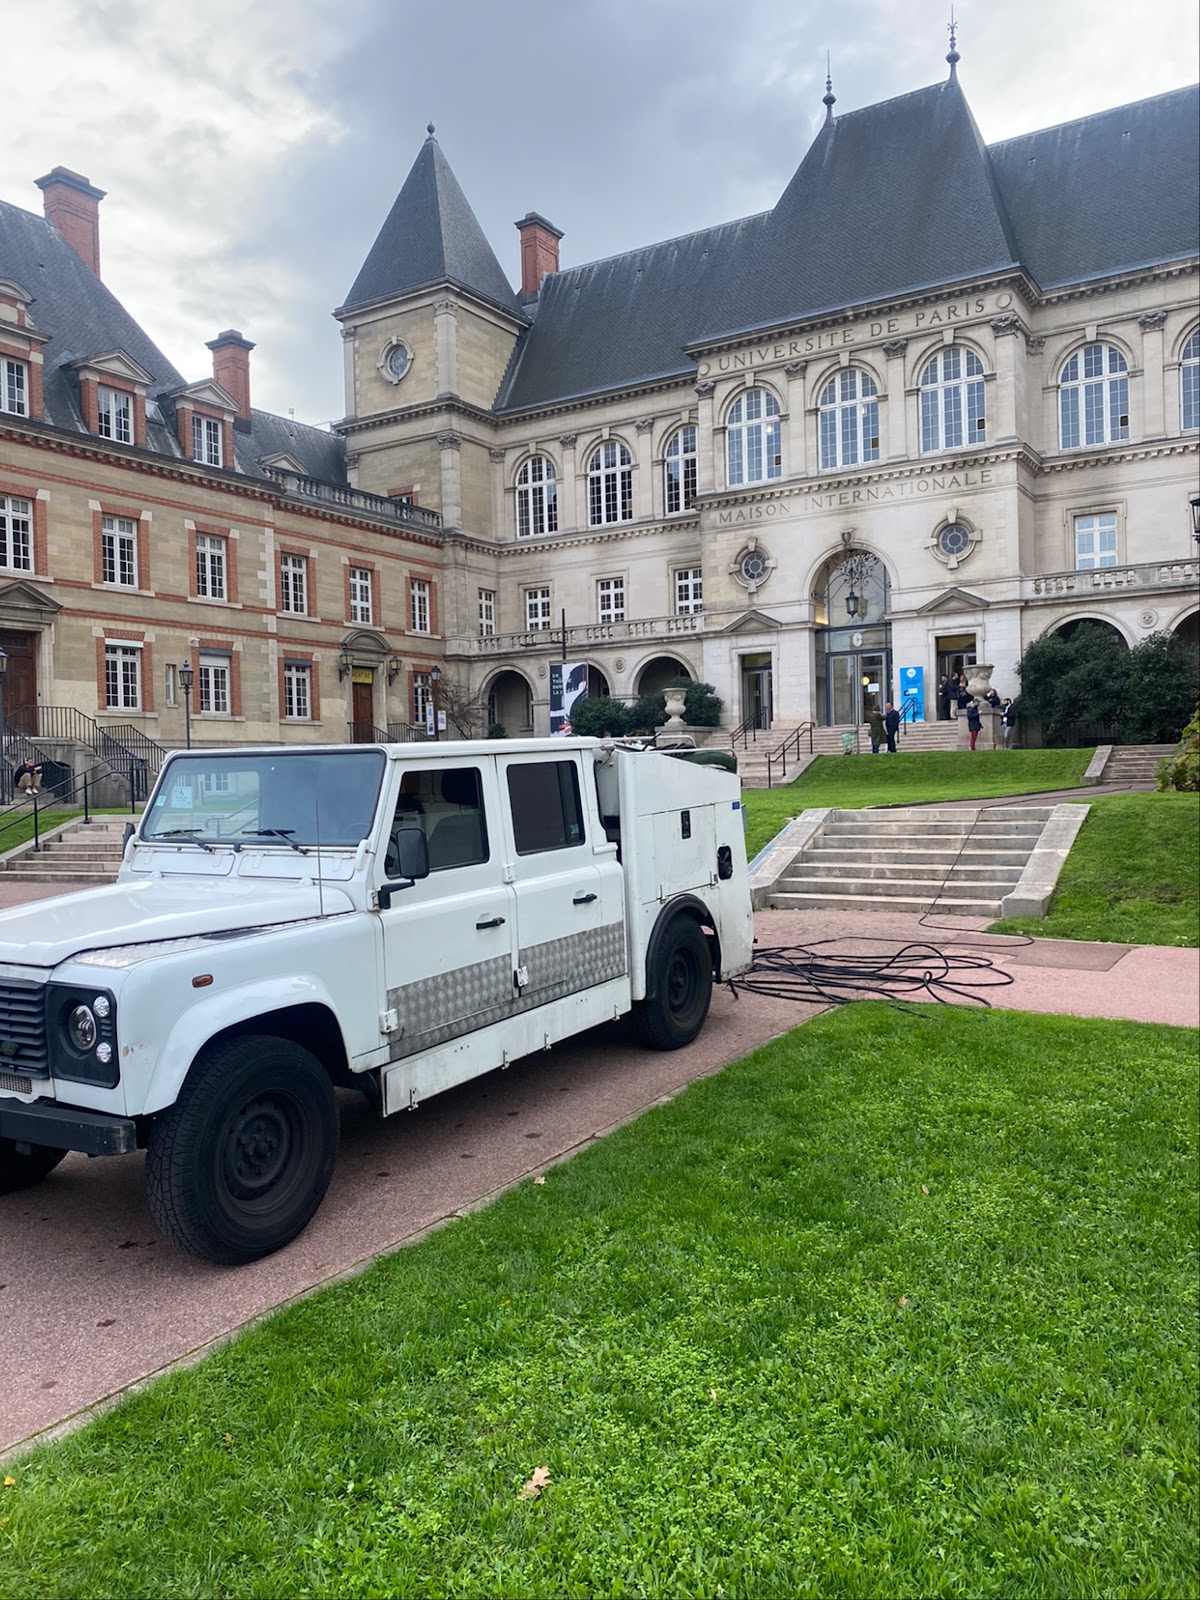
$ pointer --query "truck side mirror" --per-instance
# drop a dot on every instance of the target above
(409, 857)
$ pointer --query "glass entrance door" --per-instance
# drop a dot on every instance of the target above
(856, 682)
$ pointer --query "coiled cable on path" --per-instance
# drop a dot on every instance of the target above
(816, 974)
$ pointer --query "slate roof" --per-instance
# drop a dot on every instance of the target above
(431, 237)
(890, 200)
(83, 318)
(1116, 190)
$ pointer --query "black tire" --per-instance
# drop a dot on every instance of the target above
(20, 1171)
(237, 1166)
(682, 989)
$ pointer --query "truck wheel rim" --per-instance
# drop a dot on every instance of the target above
(680, 982)
(259, 1146)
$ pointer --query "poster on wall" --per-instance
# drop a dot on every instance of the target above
(568, 683)
(912, 692)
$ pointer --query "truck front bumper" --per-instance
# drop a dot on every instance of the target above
(62, 1128)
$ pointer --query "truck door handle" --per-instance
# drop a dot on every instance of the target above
(583, 899)
(491, 922)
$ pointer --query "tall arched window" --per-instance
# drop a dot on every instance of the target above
(952, 413)
(610, 484)
(1093, 397)
(752, 451)
(679, 470)
(537, 499)
(1189, 380)
(849, 419)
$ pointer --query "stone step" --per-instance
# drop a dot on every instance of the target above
(932, 858)
(886, 888)
(872, 901)
(55, 875)
(846, 833)
(901, 872)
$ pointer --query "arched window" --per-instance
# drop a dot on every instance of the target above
(849, 419)
(610, 484)
(752, 438)
(679, 470)
(952, 413)
(537, 499)
(1189, 380)
(1093, 397)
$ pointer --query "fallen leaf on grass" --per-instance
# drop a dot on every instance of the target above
(539, 1181)
(10, 1483)
(228, 1438)
(924, 1188)
(903, 1300)
(712, 1394)
(534, 1486)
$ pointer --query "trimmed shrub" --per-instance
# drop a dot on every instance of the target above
(1182, 770)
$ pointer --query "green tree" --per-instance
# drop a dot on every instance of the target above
(597, 715)
(1082, 678)
(1161, 690)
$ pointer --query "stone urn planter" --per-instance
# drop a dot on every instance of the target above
(979, 679)
(674, 699)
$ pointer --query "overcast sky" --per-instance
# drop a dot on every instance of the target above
(252, 148)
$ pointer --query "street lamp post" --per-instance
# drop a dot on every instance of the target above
(435, 677)
(5, 775)
(186, 672)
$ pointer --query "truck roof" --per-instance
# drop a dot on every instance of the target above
(420, 750)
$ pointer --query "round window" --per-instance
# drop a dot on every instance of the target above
(954, 540)
(397, 362)
(754, 566)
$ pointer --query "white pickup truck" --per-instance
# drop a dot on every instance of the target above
(395, 919)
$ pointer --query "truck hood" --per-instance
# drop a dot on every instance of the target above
(47, 932)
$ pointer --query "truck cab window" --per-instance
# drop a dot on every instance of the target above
(546, 810)
(446, 803)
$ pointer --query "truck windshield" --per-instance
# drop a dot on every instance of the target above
(279, 800)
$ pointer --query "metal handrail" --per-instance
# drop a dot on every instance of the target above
(70, 724)
(139, 744)
(82, 787)
(744, 730)
(406, 733)
(781, 754)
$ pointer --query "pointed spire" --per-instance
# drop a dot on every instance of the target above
(953, 56)
(828, 99)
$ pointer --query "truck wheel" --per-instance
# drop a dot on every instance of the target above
(682, 989)
(237, 1166)
(19, 1171)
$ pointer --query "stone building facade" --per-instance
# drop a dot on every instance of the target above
(942, 400)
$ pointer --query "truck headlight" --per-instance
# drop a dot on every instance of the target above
(81, 1030)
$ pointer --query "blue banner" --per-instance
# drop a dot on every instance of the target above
(912, 692)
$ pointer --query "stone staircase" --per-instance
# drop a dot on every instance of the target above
(752, 759)
(960, 861)
(1135, 763)
(86, 854)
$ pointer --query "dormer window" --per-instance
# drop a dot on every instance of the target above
(115, 418)
(14, 387)
(206, 441)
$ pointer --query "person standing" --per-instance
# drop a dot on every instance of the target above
(875, 723)
(974, 721)
(962, 695)
(891, 723)
(1008, 722)
(944, 698)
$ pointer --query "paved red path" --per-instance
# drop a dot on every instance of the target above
(92, 1301)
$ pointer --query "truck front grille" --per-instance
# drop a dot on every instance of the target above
(23, 1029)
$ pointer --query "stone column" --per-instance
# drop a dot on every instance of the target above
(706, 479)
(1003, 422)
(445, 340)
(643, 470)
(899, 446)
(797, 454)
(449, 444)
(568, 487)
(501, 526)
(1153, 397)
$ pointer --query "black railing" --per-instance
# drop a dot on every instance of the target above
(66, 795)
(790, 746)
(366, 733)
(747, 731)
(139, 744)
(70, 725)
(407, 733)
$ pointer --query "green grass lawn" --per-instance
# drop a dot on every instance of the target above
(903, 779)
(903, 1304)
(16, 829)
(1132, 877)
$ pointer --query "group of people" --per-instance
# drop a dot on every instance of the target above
(954, 700)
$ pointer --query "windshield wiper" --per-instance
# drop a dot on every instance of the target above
(277, 833)
(185, 833)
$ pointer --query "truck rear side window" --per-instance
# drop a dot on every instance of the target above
(546, 812)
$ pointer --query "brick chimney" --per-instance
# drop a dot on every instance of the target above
(231, 368)
(539, 251)
(72, 206)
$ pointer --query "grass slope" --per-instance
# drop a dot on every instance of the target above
(902, 1304)
(1132, 877)
(903, 779)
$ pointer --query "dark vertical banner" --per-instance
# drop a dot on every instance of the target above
(568, 683)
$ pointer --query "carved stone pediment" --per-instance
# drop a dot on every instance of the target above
(114, 364)
(752, 621)
(206, 393)
(21, 601)
(953, 599)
